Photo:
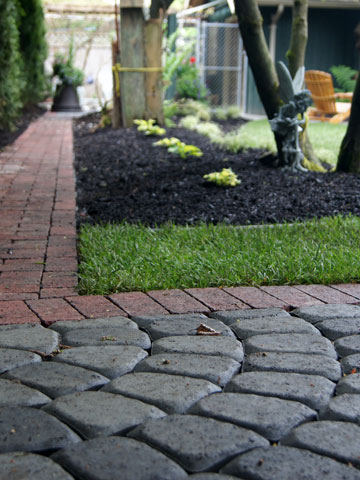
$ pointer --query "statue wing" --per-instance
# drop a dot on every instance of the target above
(298, 81)
(286, 89)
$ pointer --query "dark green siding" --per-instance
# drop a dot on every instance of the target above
(330, 42)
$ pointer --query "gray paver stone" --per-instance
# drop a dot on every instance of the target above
(111, 361)
(349, 384)
(312, 390)
(28, 466)
(271, 417)
(286, 463)
(29, 429)
(347, 345)
(339, 327)
(171, 393)
(318, 313)
(345, 408)
(200, 344)
(146, 320)
(17, 395)
(56, 379)
(100, 456)
(232, 316)
(216, 369)
(293, 363)
(11, 358)
(100, 413)
(212, 476)
(29, 337)
(338, 440)
(351, 363)
(169, 328)
(282, 324)
(290, 343)
(68, 326)
(197, 443)
(83, 337)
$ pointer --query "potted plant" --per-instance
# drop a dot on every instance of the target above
(69, 78)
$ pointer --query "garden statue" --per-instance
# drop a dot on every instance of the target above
(289, 122)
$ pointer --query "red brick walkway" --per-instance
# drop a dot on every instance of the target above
(38, 261)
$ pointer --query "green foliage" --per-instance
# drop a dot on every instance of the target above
(33, 49)
(167, 142)
(188, 81)
(11, 66)
(174, 58)
(126, 257)
(225, 178)
(184, 150)
(63, 68)
(345, 77)
(149, 127)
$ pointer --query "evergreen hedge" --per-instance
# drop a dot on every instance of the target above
(33, 48)
(11, 68)
(23, 52)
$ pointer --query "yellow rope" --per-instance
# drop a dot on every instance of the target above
(117, 68)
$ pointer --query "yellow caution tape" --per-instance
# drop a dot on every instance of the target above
(117, 68)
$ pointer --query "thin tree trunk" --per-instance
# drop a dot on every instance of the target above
(299, 36)
(349, 156)
(296, 59)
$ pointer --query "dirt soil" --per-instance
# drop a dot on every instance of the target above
(122, 176)
(28, 116)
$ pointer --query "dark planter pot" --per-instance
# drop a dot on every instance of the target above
(66, 99)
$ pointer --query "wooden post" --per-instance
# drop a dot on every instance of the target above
(132, 29)
(153, 80)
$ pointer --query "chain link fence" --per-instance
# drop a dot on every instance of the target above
(221, 60)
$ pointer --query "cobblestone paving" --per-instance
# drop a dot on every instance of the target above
(237, 394)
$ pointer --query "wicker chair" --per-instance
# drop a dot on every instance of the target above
(324, 97)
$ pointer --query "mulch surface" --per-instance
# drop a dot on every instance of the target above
(29, 115)
(122, 176)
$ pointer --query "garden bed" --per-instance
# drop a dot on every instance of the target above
(29, 115)
(122, 176)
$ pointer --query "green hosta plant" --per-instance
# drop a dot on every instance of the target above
(183, 150)
(167, 142)
(149, 127)
(225, 178)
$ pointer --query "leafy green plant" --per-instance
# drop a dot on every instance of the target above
(149, 127)
(64, 69)
(174, 58)
(345, 77)
(167, 142)
(188, 81)
(225, 178)
(184, 150)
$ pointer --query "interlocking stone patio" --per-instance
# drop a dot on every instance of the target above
(122, 386)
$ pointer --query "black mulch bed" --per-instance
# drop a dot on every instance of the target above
(121, 176)
(29, 115)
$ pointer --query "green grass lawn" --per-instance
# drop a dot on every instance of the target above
(116, 258)
(325, 137)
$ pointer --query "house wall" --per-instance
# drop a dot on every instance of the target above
(331, 42)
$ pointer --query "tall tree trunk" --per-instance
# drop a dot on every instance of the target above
(349, 156)
(296, 59)
(250, 25)
(299, 36)
(262, 66)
